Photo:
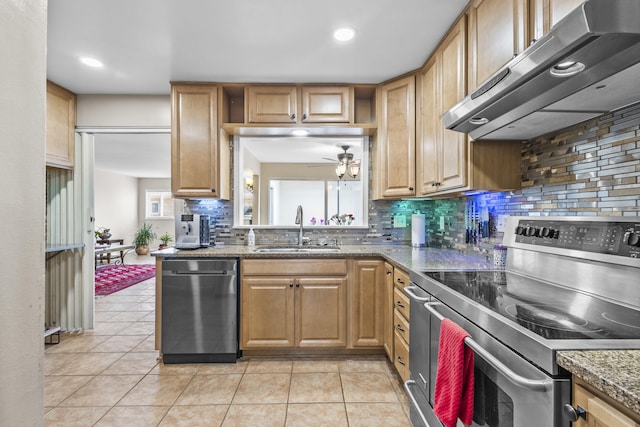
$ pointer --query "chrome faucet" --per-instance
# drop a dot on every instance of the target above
(300, 221)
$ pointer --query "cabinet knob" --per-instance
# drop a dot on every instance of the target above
(400, 281)
(213, 190)
(304, 116)
(410, 188)
(574, 414)
(400, 304)
(291, 285)
(400, 328)
(293, 117)
(400, 361)
(297, 285)
(388, 273)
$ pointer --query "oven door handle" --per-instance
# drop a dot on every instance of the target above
(414, 402)
(517, 379)
(409, 291)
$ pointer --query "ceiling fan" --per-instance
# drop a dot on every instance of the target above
(346, 164)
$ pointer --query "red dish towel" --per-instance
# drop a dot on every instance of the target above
(454, 378)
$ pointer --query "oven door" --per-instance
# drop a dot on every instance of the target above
(508, 391)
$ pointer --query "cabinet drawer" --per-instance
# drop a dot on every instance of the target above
(401, 302)
(401, 357)
(401, 325)
(307, 267)
(401, 279)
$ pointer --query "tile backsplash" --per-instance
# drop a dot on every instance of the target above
(591, 169)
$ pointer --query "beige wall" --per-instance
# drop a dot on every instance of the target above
(159, 225)
(23, 31)
(136, 111)
(116, 204)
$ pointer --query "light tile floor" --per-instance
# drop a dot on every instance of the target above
(110, 376)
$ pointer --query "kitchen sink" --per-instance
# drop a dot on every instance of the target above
(298, 249)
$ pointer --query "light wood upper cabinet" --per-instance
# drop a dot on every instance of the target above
(544, 14)
(319, 104)
(395, 145)
(367, 287)
(61, 123)
(441, 153)
(497, 32)
(326, 104)
(199, 163)
(293, 303)
(272, 104)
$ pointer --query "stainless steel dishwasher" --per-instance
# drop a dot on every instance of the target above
(199, 310)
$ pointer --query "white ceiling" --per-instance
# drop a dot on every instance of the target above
(146, 44)
(138, 155)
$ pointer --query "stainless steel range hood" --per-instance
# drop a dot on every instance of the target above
(587, 65)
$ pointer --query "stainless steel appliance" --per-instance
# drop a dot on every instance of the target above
(199, 310)
(585, 66)
(570, 283)
(192, 231)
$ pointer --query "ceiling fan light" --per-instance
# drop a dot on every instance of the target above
(354, 169)
(341, 169)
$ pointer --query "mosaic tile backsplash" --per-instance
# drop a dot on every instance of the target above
(591, 169)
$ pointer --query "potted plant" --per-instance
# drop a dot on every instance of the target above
(103, 233)
(143, 237)
(165, 238)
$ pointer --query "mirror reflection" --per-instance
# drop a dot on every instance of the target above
(327, 176)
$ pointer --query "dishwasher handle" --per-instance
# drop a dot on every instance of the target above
(199, 273)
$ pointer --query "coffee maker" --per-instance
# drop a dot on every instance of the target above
(192, 231)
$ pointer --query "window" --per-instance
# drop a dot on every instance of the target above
(159, 204)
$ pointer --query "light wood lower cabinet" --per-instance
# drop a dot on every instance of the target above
(293, 303)
(602, 411)
(401, 325)
(387, 341)
(366, 285)
(313, 303)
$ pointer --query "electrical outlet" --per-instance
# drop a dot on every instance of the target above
(399, 221)
(501, 223)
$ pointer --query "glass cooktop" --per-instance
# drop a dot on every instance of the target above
(550, 311)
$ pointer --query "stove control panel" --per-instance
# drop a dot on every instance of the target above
(604, 237)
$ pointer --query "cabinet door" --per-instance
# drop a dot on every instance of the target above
(497, 33)
(429, 127)
(321, 312)
(326, 104)
(599, 412)
(272, 104)
(367, 298)
(453, 145)
(61, 123)
(194, 143)
(268, 314)
(558, 9)
(387, 341)
(396, 139)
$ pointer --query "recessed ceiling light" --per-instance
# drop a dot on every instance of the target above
(91, 62)
(299, 132)
(344, 34)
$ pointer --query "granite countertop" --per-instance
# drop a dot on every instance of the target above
(401, 256)
(614, 372)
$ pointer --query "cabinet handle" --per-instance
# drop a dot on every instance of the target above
(291, 285)
(213, 190)
(400, 281)
(410, 188)
(399, 327)
(304, 116)
(388, 273)
(400, 361)
(400, 304)
(293, 117)
(297, 285)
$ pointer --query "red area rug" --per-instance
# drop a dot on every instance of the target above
(112, 278)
